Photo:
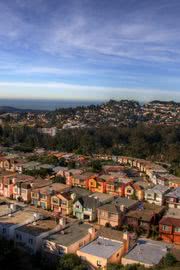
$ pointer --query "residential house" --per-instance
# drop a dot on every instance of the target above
(60, 171)
(85, 208)
(103, 251)
(134, 190)
(7, 163)
(146, 252)
(116, 185)
(173, 198)
(41, 197)
(82, 180)
(169, 226)
(27, 187)
(62, 203)
(144, 217)
(113, 168)
(4, 181)
(97, 184)
(30, 236)
(70, 174)
(9, 223)
(8, 208)
(69, 240)
(174, 182)
(156, 194)
(113, 213)
(18, 180)
(27, 166)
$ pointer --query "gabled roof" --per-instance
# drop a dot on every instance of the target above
(111, 208)
(170, 221)
(175, 193)
(159, 189)
(89, 202)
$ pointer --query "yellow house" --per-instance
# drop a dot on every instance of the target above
(102, 251)
(62, 203)
(134, 190)
(42, 196)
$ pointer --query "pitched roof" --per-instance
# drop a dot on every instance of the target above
(89, 202)
(110, 233)
(111, 208)
(170, 221)
(175, 193)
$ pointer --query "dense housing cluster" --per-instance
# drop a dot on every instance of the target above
(104, 208)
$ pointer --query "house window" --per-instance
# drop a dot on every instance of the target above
(18, 236)
(166, 228)
(99, 263)
(55, 201)
(60, 250)
(63, 202)
(77, 206)
(117, 255)
(43, 196)
(177, 229)
(129, 191)
(30, 241)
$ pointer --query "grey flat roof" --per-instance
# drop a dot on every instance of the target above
(175, 193)
(102, 247)
(147, 251)
(159, 189)
(70, 235)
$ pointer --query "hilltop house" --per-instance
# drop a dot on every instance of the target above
(173, 198)
(156, 194)
(30, 236)
(69, 239)
(85, 208)
(113, 213)
(169, 226)
(105, 249)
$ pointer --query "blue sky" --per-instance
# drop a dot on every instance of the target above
(90, 49)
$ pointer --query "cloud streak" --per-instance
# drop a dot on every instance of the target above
(122, 44)
(81, 92)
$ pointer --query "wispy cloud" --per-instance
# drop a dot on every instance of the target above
(109, 43)
(81, 92)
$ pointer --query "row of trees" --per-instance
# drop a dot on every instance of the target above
(156, 143)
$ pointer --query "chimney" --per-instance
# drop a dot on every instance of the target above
(62, 222)
(31, 184)
(126, 239)
(122, 208)
(92, 232)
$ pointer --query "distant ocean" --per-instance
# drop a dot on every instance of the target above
(45, 104)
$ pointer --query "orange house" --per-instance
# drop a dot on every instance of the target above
(96, 184)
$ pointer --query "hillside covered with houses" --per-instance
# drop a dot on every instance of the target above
(105, 209)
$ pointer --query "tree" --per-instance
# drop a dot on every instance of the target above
(169, 260)
(96, 165)
(59, 179)
(69, 262)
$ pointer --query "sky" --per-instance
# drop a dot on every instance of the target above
(90, 49)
